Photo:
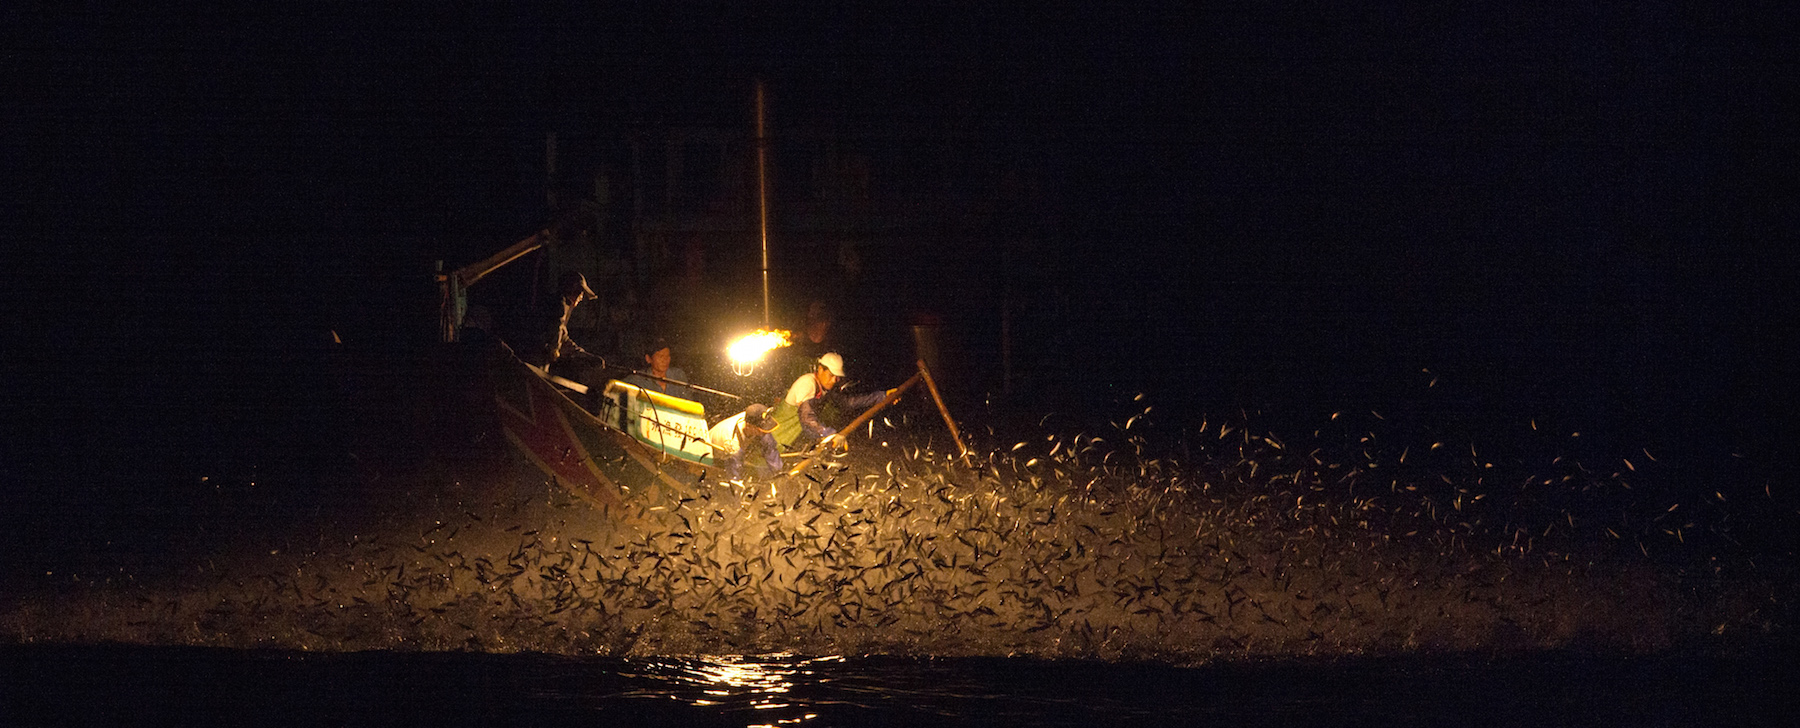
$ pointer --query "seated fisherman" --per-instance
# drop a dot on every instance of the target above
(737, 436)
(797, 416)
(660, 360)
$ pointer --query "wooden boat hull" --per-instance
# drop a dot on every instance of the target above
(584, 454)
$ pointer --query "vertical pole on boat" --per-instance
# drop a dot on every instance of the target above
(762, 197)
(550, 170)
(446, 307)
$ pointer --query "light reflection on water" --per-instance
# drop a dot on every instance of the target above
(784, 689)
(733, 683)
(113, 685)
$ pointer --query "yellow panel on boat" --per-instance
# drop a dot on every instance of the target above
(669, 425)
(663, 401)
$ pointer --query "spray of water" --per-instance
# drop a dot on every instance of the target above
(1220, 541)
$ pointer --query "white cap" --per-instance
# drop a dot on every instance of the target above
(832, 363)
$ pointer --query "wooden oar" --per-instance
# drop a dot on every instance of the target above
(569, 384)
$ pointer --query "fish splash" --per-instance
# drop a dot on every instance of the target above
(1061, 545)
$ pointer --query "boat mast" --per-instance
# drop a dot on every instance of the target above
(762, 197)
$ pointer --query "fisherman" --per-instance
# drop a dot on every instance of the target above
(734, 438)
(816, 337)
(551, 344)
(797, 416)
(661, 374)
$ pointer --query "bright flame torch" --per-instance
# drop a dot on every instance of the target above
(746, 352)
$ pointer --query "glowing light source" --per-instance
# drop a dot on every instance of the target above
(747, 352)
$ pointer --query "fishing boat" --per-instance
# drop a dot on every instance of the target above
(621, 443)
(624, 442)
(635, 440)
(628, 440)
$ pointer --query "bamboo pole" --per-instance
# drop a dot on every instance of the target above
(452, 286)
(762, 198)
(937, 397)
(476, 271)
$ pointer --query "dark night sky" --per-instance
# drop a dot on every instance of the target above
(1551, 200)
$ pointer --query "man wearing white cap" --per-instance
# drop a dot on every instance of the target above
(797, 416)
(551, 329)
(734, 438)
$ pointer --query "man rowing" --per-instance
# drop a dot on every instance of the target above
(797, 416)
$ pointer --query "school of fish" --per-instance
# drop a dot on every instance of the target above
(1132, 541)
